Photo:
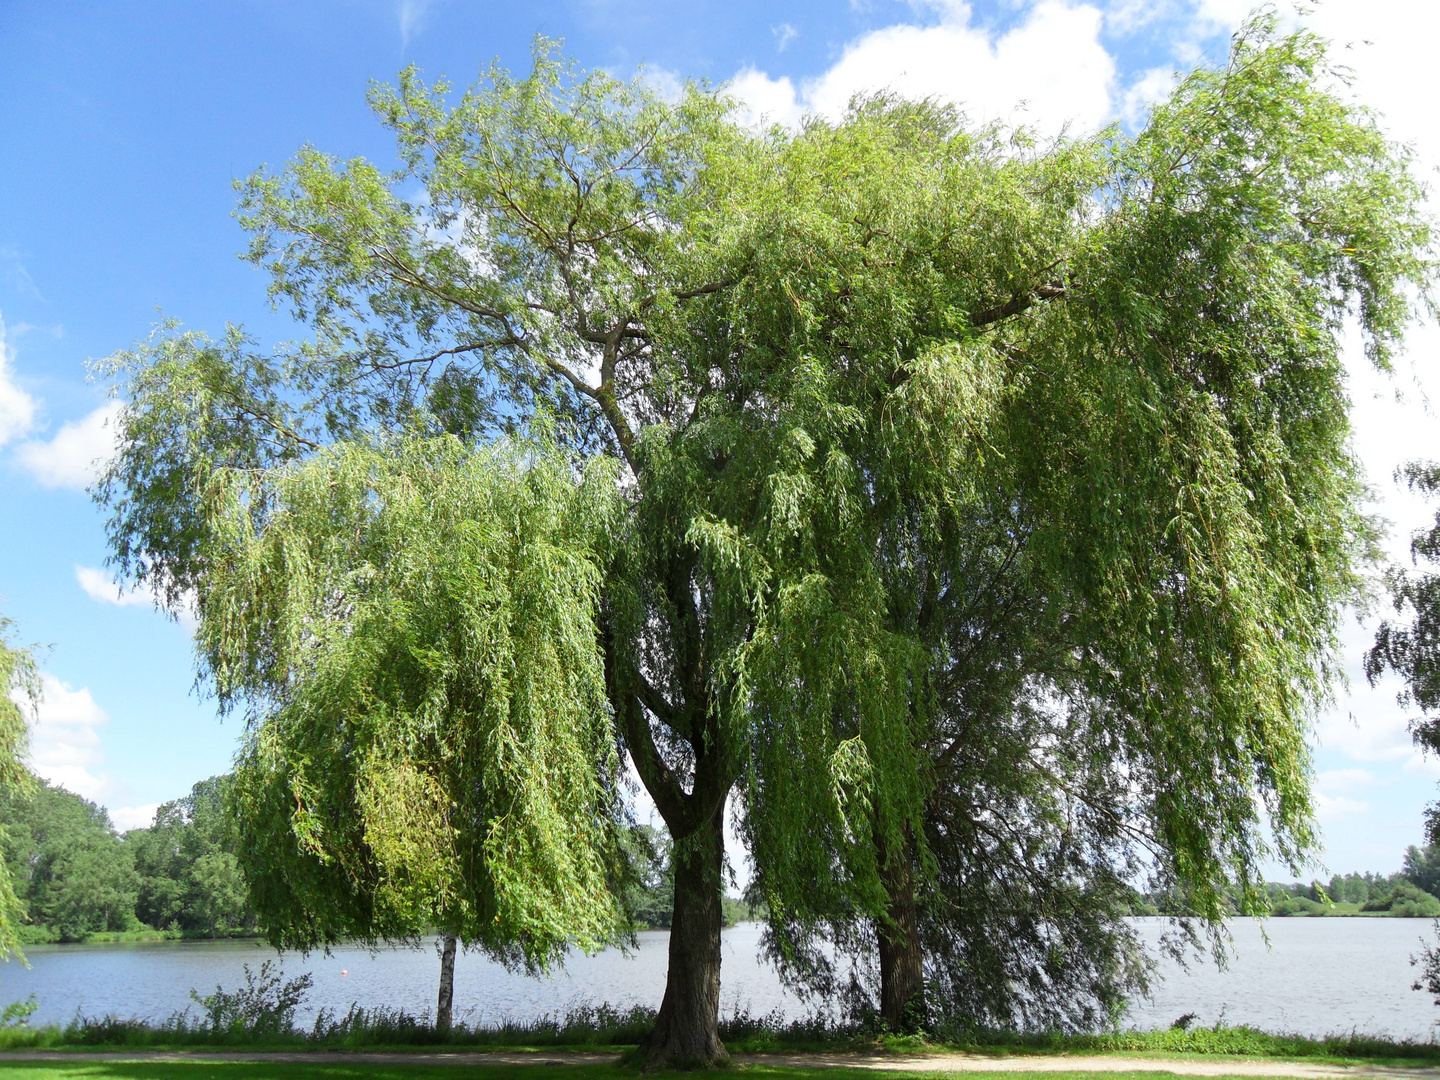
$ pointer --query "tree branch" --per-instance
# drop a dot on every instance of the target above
(1015, 305)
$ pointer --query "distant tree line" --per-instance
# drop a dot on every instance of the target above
(77, 878)
(1412, 892)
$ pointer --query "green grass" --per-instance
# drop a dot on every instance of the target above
(259, 1027)
(608, 1029)
(322, 1070)
(1224, 1041)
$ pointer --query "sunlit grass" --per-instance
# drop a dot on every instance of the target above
(407, 1070)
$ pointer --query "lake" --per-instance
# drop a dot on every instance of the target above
(1318, 976)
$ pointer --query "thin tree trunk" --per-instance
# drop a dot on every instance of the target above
(902, 961)
(687, 1031)
(444, 1006)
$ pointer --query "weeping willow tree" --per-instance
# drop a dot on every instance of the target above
(19, 687)
(1112, 603)
(410, 628)
(959, 482)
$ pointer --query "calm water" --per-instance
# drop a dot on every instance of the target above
(1318, 976)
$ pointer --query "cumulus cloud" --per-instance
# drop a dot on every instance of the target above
(1141, 95)
(17, 408)
(1127, 16)
(74, 457)
(1047, 72)
(125, 818)
(103, 589)
(65, 739)
(668, 84)
(65, 749)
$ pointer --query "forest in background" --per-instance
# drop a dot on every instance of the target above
(81, 880)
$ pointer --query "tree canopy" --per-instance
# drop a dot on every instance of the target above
(190, 878)
(412, 630)
(19, 687)
(922, 472)
(1123, 594)
(72, 875)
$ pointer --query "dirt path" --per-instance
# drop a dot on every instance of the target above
(1049, 1063)
(928, 1063)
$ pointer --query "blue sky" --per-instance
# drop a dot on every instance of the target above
(122, 126)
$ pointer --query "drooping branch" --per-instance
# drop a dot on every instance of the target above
(1016, 304)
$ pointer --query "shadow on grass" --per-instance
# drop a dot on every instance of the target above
(407, 1070)
(89, 1069)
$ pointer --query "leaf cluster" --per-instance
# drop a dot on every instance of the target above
(410, 629)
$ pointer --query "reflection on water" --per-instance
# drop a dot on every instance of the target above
(1319, 976)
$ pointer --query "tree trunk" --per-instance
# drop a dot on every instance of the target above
(444, 1006)
(902, 961)
(687, 1031)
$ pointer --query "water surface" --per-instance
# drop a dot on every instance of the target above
(1318, 976)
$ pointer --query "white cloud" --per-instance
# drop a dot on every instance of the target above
(125, 818)
(764, 100)
(17, 408)
(1126, 16)
(1049, 71)
(784, 35)
(1224, 14)
(1142, 94)
(65, 739)
(103, 589)
(73, 458)
(1335, 792)
(668, 84)
(1330, 807)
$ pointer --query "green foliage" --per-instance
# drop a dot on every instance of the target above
(921, 447)
(18, 1013)
(1422, 868)
(1359, 888)
(1405, 901)
(73, 874)
(1101, 504)
(190, 879)
(603, 1027)
(263, 1008)
(19, 686)
(411, 629)
(650, 891)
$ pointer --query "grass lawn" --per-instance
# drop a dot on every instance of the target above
(83, 1069)
(320, 1070)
